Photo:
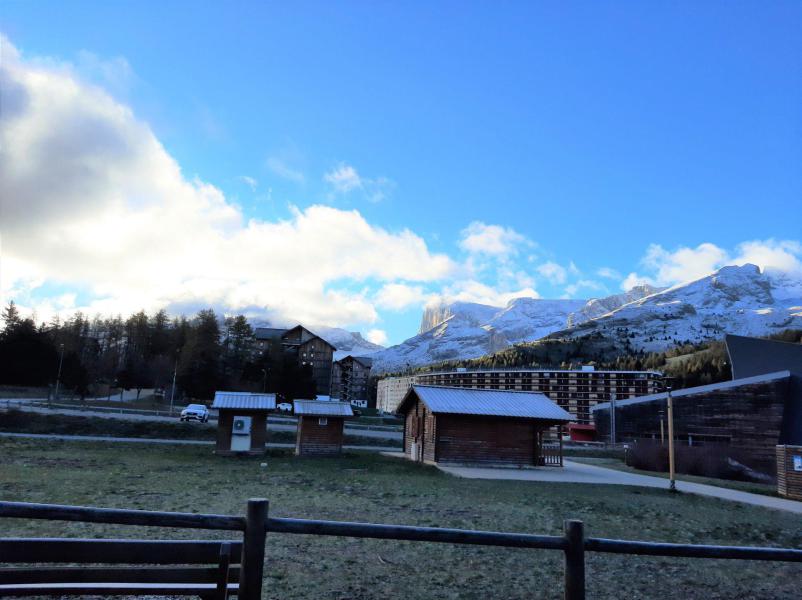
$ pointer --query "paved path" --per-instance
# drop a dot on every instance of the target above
(276, 424)
(574, 472)
(127, 440)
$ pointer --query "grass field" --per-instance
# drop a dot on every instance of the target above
(368, 487)
(18, 421)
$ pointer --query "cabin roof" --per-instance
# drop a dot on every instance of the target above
(244, 400)
(492, 403)
(319, 408)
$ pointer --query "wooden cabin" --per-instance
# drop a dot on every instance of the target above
(242, 422)
(478, 426)
(320, 427)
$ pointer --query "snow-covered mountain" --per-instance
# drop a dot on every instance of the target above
(736, 299)
(467, 330)
(741, 300)
(346, 342)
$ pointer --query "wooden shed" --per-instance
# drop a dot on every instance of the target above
(242, 422)
(478, 426)
(789, 471)
(320, 427)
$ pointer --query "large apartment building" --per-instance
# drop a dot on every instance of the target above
(576, 391)
(303, 346)
(349, 380)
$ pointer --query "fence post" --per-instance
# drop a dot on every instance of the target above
(574, 560)
(253, 550)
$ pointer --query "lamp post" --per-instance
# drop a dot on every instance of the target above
(613, 436)
(172, 392)
(58, 376)
(264, 380)
(672, 486)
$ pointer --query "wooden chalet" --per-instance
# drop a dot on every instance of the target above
(478, 426)
(320, 427)
(242, 422)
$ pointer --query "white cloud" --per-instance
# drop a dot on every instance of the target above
(345, 178)
(249, 181)
(608, 273)
(684, 264)
(377, 336)
(553, 272)
(476, 291)
(280, 167)
(584, 284)
(782, 255)
(687, 264)
(633, 279)
(492, 240)
(398, 296)
(91, 200)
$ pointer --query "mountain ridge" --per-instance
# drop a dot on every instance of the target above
(734, 299)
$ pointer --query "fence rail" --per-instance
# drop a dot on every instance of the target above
(256, 524)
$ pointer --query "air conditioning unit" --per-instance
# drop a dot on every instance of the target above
(241, 434)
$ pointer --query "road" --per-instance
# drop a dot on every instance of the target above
(274, 423)
(574, 472)
(130, 440)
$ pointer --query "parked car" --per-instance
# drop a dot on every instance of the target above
(195, 412)
(284, 406)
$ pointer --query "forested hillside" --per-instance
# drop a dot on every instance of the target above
(690, 365)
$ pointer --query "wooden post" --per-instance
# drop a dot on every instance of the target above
(560, 435)
(671, 476)
(253, 550)
(574, 560)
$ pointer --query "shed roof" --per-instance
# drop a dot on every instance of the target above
(323, 409)
(244, 400)
(493, 403)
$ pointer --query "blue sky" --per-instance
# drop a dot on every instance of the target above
(555, 148)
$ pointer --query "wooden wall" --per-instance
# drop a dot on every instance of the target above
(789, 481)
(316, 439)
(485, 440)
(258, 430)
(420, 427)
(746, 417)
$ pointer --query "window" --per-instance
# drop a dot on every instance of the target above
(323, 421)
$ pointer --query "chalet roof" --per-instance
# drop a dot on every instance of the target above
(365, 361)
(493, 403)
(323, 409)
(312, 335)
(268, 333)
(701, 389)
(244, 400)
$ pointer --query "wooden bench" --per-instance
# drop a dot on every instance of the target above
(152, 567)
(209, 569)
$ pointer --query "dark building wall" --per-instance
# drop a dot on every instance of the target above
(258, 430)
(316, 439)
(318, 353)
(349, 380)
(748, 417)
(485, 440)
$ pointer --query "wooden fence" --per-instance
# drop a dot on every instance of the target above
(257, 523)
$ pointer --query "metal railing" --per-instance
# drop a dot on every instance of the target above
(257, 523)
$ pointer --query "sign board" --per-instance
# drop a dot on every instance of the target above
(797, 463)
